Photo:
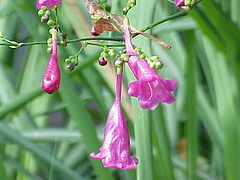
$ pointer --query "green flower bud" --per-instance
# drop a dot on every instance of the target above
(159, 64)
(118, 62)
(152, 64)
(41, 12)
(44, 8)
(67, 61)
(95, 17)
(70, 67)
(51, 22)
(112, 53)
(49, 50)
(142, 56)
(48, 13)
(49, 41)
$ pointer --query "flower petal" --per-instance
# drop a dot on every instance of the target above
(133, 89)
(170, 85)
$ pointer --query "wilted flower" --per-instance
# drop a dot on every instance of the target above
(48, 3)
(115, 151)
(150, 88)
(51, 78)
(180, 3)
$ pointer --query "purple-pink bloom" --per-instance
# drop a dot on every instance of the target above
(115, 150)
(179, 3)
(48, 3)
(51, 77)
(150, 88)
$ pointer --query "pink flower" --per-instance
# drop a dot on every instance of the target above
(115, 151)
(48, 3)
(150, 88)
(51, 78)
(179, 3)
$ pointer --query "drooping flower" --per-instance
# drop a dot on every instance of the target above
(51, 77)
(179, 3)
(149, 87)
(115, 150)
(48, 3)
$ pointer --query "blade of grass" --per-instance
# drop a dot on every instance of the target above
(190, 110)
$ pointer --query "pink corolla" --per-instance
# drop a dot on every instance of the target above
(115, 150)
(51, 77)
(48, 3)
(179, 3)
(149, 87)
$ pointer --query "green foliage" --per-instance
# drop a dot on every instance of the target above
(50, 136)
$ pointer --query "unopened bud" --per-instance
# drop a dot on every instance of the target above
(159, 64)
(142, 56)
(112, 53)
(152, 64)
(44, 19)
(49, 41)
(49, 50)
(70, 67)
(102, 62)
(41, 12)
(118, 62)
(67, 61)
(48, 13)
(51, 22)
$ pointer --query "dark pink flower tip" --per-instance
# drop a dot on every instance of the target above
(115, 151)
(149, 88)
(179, 3)
(51, 77)
(48, 3)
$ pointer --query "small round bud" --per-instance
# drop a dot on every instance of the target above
(67, 61)
(70, 67)
(118, 62)
(159, 64)
(49, 50)
(152, 64)
(51, 22)
(102, 62)
(63, 43)
(1, 35)
(95, 17)
(49, 41)
(112, 53)
(44, 19)
(41, 12)
(142, 56)
(48, 13)
(125, 10)
(44, 8)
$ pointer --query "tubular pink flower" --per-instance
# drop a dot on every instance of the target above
(150, 88)
(48, 3)
(179, 3)
(115, 151)
(51, 78)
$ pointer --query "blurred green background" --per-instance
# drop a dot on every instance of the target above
(50, 136)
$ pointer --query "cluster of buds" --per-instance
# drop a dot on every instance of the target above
(49, 43)
(71, 62)
(123, 58)
(153, 61)
(45, 14)
(105, 55)
(130, 4)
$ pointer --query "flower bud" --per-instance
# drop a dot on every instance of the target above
(118, 62)
(142, 56)
(159, 64)
(44, 19)
(112, 53)
(51, 22)
(70, 67)
(67, 61)
(49, 50)
(102, 62)
(48, 13)
(41, 12)
(49, 41)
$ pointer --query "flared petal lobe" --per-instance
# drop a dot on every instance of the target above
(48, 3)
(51, 77)
(115, 151)
(149, 87)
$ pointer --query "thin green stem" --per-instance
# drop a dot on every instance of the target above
(69, 41)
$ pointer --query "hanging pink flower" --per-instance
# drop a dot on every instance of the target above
(179, 3)
(48, 3)
(150, 88)
(115, 151)
(51, 78)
